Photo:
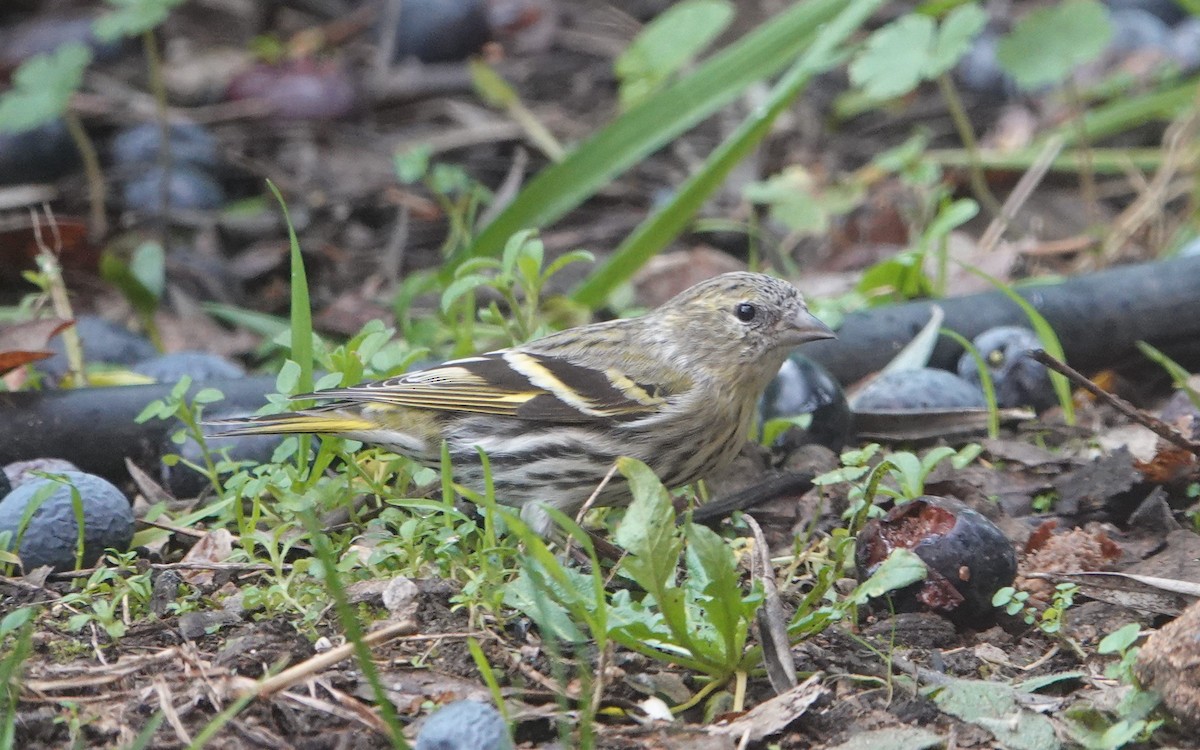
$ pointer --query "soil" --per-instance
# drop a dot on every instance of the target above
(876, 676)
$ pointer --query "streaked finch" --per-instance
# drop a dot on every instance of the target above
(676, 388)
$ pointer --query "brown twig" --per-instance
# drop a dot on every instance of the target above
(313, 665)
(1155, 425)
(216, 566)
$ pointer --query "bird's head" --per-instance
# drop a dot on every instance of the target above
(743, 317)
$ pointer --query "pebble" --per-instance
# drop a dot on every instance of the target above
(52, 532)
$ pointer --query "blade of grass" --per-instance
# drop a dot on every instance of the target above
(219, 721)
(302, 329)
(1105, 161)
(654, 233)
(654, 123)
(985, 381)
(1129, 112)
(352, 628)
(146, 736)
(489, 676)
(1179, 375)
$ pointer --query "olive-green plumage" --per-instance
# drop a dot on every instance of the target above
(675, 388)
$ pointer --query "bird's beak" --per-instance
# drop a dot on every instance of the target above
(805, 327)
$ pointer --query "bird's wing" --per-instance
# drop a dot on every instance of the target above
(528, 385)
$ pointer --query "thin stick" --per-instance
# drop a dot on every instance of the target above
(315, 664)
(1024, 188)
(1155, 425)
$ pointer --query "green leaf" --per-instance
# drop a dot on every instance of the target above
(459, 287)
(792, 199)
(413, 164)
(491, 87)
(564, 260)
(208, 396)
(1048, 44)
(539, 596)
(141, 279)
(148, 265)
(900, 277)
(15, 619)
(647, 531)
(1119, 641)
(666, 44)
(955, 215)
(288, 378)
(911, 49)
(994, 707)
(901, 568)
(132, 17)
(895, 57)
(521, 244)
(934, 457)
(42, 88)
(955, 37)
(301, 308)
(908, 472)
(711, 564)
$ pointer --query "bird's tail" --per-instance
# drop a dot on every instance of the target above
(332, 422)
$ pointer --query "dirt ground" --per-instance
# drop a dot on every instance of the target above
(1124, 500)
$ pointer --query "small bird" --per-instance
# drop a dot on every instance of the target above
(676, 389)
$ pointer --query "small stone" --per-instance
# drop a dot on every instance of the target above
(102, 341)
(923, 388)
(441, 30)
(51, 535)
(187, 188)
(141, 145)
(1135, 29)
(302, 89)
(199, 366)
(464, 724)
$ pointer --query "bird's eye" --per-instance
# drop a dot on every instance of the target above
(995, 358)
(745, 311)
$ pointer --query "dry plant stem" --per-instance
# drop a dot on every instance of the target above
(167, 706)
(226, 567)
(1024, 188)
(315, 664)
(1179, 139)
(1157, 426)
(159, 90)
(97, 221)
(587, 505)
(966, 134)
(1087, 173)
(48, 265)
